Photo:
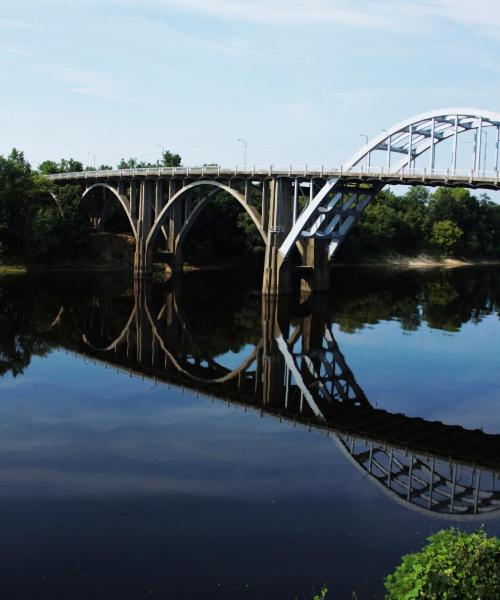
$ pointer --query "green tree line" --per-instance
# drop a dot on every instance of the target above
(448, 222)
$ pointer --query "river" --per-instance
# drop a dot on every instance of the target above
(186, 439)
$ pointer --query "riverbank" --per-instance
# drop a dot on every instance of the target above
(421, 261)
(12, 270)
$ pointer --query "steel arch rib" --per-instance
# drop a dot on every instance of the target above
(444, 130)
(475, 113)
(160, 221)
(123, 201)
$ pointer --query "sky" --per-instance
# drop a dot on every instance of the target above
(302, 82)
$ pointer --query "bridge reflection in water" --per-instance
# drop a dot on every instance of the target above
(297, 372)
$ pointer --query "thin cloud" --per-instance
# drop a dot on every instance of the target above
(279, 12)
(15, 24)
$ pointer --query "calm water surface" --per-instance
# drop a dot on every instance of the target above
(187, 440)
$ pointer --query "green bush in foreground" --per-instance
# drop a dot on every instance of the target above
(453, 566)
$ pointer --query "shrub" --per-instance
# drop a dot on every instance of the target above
(453, 566)
(445, 236)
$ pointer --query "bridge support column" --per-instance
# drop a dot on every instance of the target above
(143, 257)
(175, 223)
(133, 193)
(277, 277)
(272, 361)
(316, 277)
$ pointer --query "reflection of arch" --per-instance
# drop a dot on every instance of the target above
(335, 209)
(122, 336)
(228, 374)
(121, 199)
(426, 484)
(162, 217)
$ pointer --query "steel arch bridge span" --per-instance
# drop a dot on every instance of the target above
(177, 197)
(338, 206)
(123, 200)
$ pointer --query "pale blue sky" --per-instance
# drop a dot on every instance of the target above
(299, 80)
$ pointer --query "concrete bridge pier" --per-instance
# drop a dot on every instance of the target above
(277, 278)
(143, 256)
(174, 226)
(315, 276)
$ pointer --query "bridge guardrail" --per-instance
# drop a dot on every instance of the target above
(290, 171)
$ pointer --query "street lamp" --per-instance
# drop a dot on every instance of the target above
(93, 155)
(485, 150)
(245, 143)
(363, 135)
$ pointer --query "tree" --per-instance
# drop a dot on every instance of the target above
(50, 167)
(131, 163)
(445, 236)
(453, 566)
(171, 160)
(16, 190)
(99, 168)
(168, 159)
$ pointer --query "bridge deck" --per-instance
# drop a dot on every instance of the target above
(406, 176)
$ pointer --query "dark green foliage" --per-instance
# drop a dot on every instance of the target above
(16, 191)
(453, 566)
(99, 168)
(59, 234)
(224, 233)
(50, 167)
(32, 226)
(168, 159)
(448, 222)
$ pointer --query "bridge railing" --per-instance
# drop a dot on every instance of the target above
(379, 172)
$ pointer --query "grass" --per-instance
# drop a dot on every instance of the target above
(12, 270)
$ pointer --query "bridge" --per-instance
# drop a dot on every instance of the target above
(303, 215)
(295, 373)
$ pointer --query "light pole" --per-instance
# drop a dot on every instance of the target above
(162, 152)
(363, 135)
(93, 155)
(485, 150)
(245, 143)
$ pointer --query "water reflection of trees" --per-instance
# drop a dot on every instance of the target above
(22, 323)
(224, 312)
(442, 299)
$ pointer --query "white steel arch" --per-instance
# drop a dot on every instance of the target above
(410, 138)
(336, 208)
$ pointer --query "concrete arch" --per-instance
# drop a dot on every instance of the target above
(121, 199)
(160, 221)
(56, 201)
